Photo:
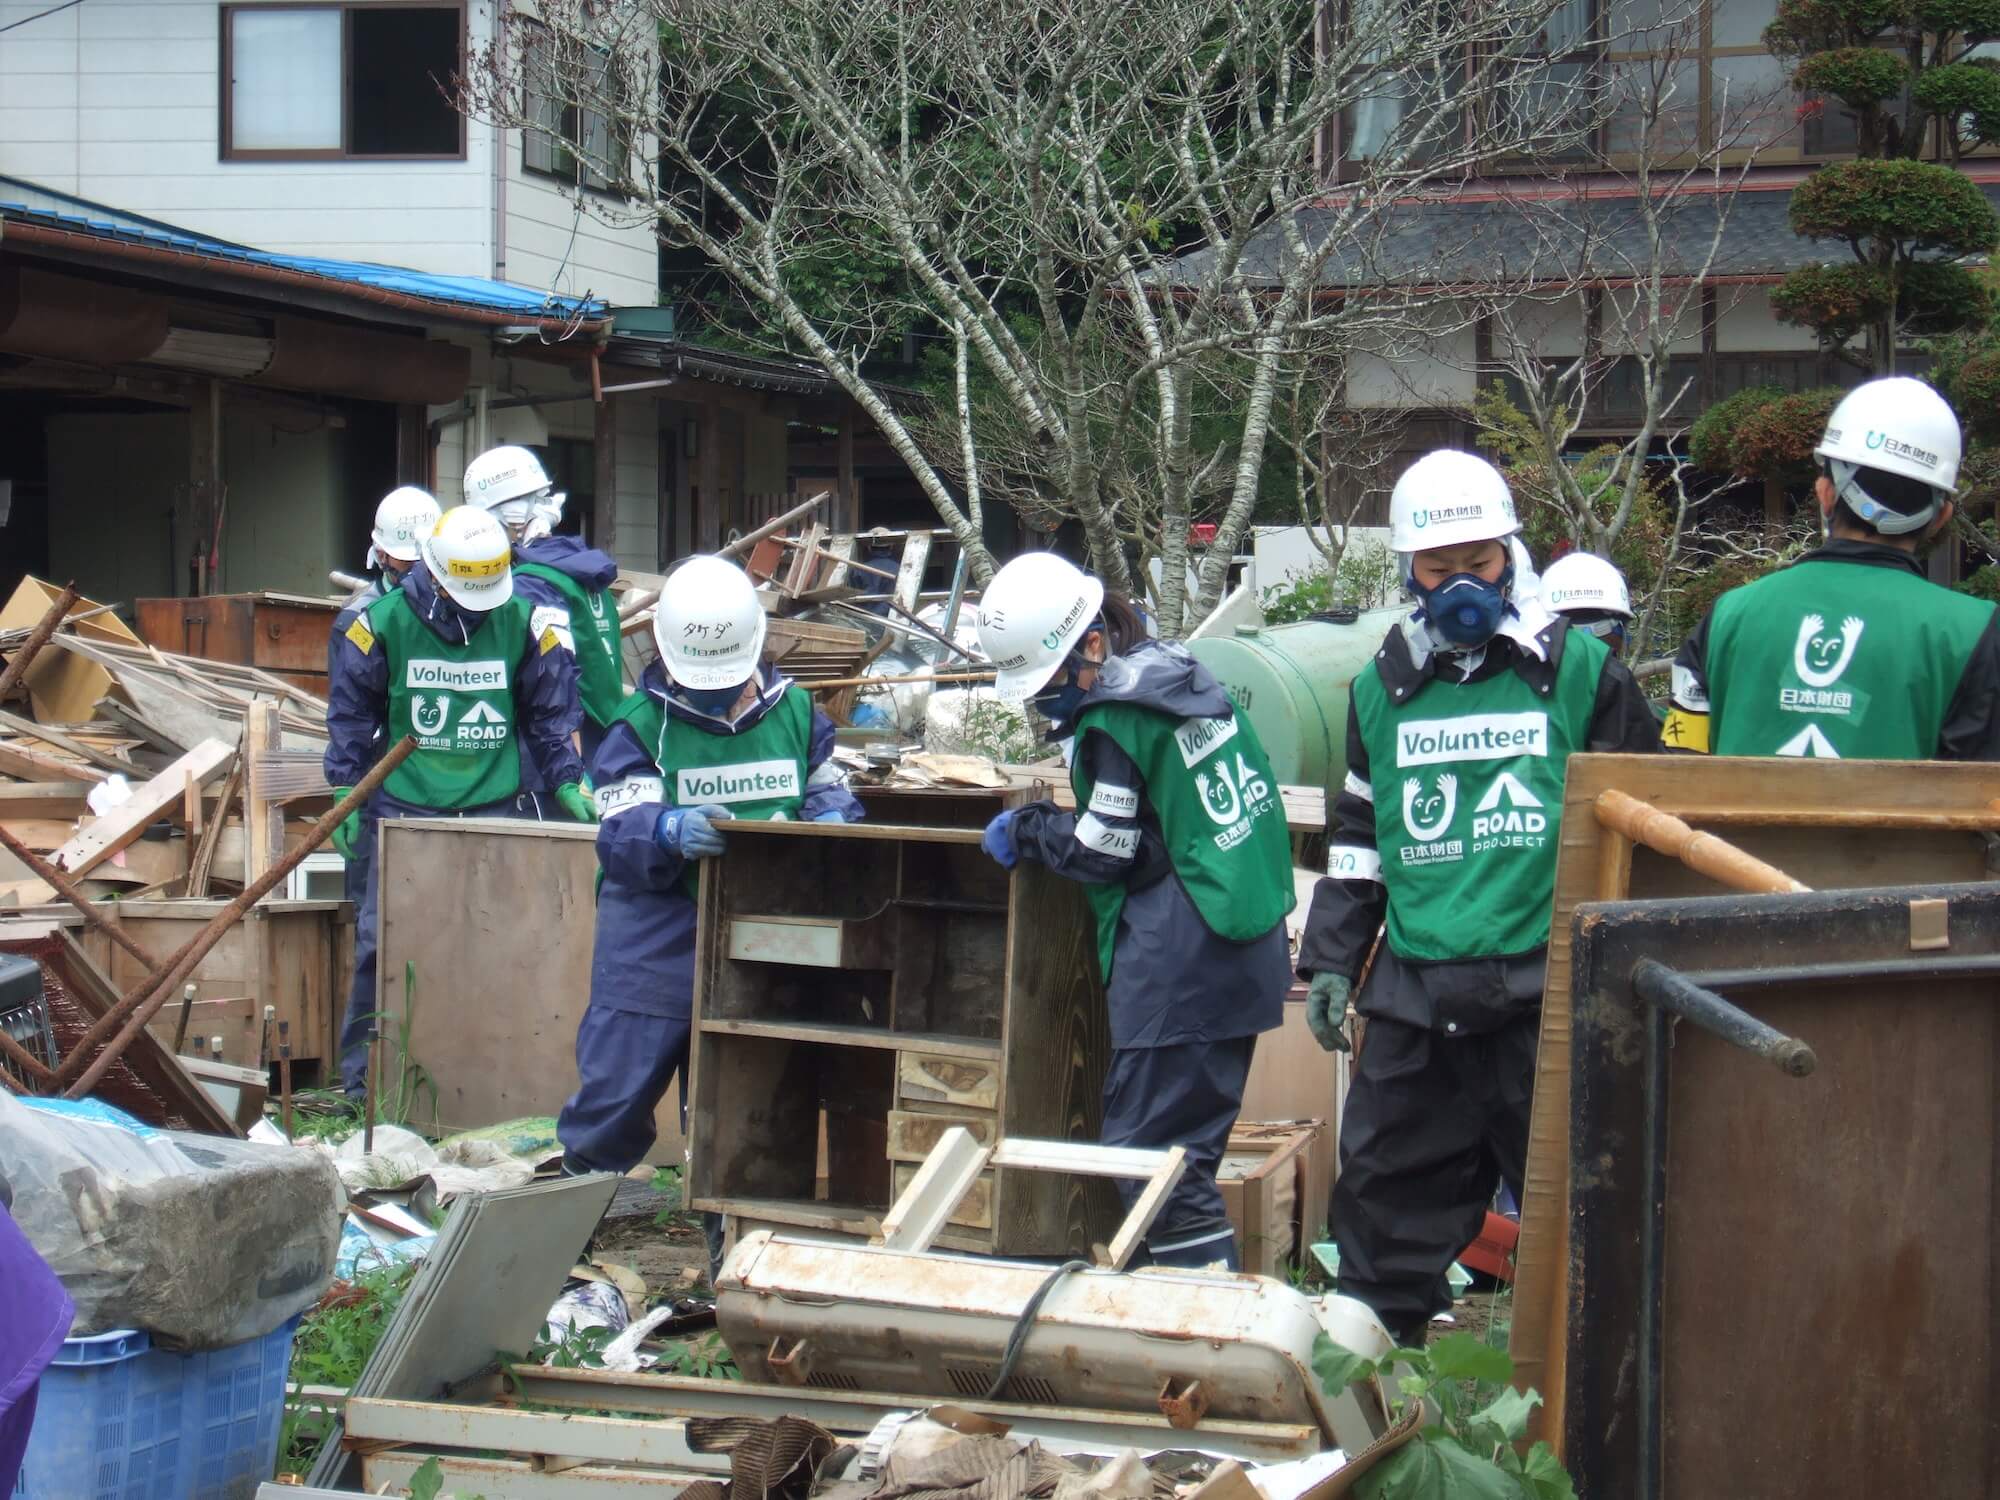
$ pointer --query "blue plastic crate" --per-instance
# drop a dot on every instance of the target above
(121, 1420)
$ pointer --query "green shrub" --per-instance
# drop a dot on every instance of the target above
(1919, 205)
(1805, 26)
(1836, 302)
(1712, 440)
(1962, 93)
(1975, 20)
(1985, 584)
(1777, 439)
(1858, 76)
(1941, 296)
(1975, 391)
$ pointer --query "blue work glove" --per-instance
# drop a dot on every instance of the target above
(690, 832)
(998, 841)
(346, 833)
(831, 815)
(1326, 1011)
(577, 801)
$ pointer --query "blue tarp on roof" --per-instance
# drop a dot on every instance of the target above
(463, 291)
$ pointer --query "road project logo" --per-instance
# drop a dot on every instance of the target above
(1427, 814)
(1819, 657)
(483, 724)
(1520, 823)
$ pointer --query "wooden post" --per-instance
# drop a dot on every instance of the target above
(604, 457)
(709, 520)
(1716, 858)
(848, 517)
(264, 821)
(204, 477)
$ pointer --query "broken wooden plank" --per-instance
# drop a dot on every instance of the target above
(29, 766)
(79, 748)
(105, 836)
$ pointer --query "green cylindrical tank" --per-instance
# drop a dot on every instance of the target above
(1292, 681)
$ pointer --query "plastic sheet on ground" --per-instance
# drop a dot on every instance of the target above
(202, 1241)
(463, 1164)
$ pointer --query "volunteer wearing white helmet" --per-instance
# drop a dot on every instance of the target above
(1444, 840)
(568, 583)
(1179, 840)
(713, 733)
(448, 656)
(1590, 592)
(1852, 651)
(405, 516)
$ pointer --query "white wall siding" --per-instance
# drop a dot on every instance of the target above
(637, 464)
(1434, 369)
(120, 102)
(1745, 324)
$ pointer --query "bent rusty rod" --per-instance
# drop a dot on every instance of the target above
(24, 655)
(144, 999)
(95, 915)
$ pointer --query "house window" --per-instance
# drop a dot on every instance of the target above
(338, 81)
(571, 106)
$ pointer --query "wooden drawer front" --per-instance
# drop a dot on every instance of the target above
(912, 1133)
(975, 1209)
(923, 1078)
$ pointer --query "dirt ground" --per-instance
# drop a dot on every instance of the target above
(660, 1254)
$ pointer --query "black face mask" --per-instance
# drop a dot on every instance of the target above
(715, 702)
(1059, 701)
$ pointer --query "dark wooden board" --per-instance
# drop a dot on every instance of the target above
(1818, 821)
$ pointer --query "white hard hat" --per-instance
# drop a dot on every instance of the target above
(505, 480)
(1583, 580)
(404, 518)
(1899, 426)
(1448, 498)
(470, 557)
(709, 625)
(1034, 613)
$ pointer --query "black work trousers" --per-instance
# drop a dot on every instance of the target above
(1432, 1124)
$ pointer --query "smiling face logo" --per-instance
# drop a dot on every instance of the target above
(421, 717)
(1428, 816)
(1818, 656)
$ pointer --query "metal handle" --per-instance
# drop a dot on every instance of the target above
(1671, 990)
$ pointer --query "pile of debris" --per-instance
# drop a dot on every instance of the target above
(137, 772)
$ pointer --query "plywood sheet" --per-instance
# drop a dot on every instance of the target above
(1827, 823)
(498, 916)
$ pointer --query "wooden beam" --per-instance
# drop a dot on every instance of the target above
(103, 837)
(29, 766)
(926, 1205)
(102, 759)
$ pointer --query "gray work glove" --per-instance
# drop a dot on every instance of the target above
(1326, 1011)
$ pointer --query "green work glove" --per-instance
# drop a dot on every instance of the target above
(1327, 1009)
(577, 801)
(348, 833)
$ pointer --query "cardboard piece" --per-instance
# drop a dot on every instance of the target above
(63, 688)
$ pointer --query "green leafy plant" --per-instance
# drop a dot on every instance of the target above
(577, 1349)
(427, 1483)
(1471, 1451)
(333, 1344)
(706, 1358)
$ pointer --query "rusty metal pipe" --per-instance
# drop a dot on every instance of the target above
(18, 663)
(143, 1000)
(70, 892)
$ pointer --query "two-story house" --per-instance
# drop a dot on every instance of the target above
(256, 269)
(1565, 220)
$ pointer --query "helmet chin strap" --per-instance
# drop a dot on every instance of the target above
(1847, 485)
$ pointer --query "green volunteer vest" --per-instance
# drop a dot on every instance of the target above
(1216, 797)
(458, 700)
(593, 621)
(1836, 659)
(1468, 781)
(759, 774)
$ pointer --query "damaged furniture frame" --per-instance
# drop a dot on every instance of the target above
(957, 1161)
(862, 990)
(1831, 824)
(1785, 1169)
(567, 1452)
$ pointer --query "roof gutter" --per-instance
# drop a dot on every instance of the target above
(49, 237)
